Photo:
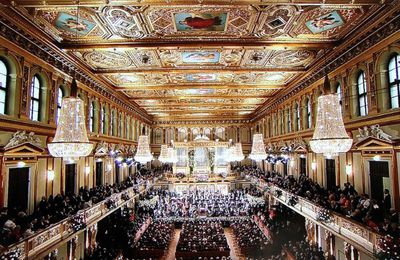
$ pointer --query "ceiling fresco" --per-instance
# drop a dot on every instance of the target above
(185, 58)
(201, 61)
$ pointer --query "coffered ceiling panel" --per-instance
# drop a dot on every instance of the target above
(193, 58)
(139, 80)
(184, 60)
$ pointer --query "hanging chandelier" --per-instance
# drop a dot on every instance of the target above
(172, 155)
(238, 152)
(230, 155)
(163, 154)
(330, 137)
(258, 148)
(71, 139)
(143, 154)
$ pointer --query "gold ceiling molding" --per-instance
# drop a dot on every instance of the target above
(179, 59)
(199, 87)
(91, 3)
(191, 97)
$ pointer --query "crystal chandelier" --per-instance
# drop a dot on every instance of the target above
(230, 155)
(71, 139)
(143, 154)
(238, 152)
(330, 136)
(258, 148)
(163, 154)
(172, 155)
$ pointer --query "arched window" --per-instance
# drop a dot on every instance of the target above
(91, 116)
(3, 88)
(103, 120)
(297, 116)
(289, 120)
(36, 93)
(308, 113)
(362, 95)
(394, 81)
(60, 96)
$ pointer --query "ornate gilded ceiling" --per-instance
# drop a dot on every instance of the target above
(186, 60)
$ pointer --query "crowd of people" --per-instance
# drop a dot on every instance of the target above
(249, 237)
(203, 203)
(16, 224)
(201, 236)
(304, 250)
(378, 215)
(115, 235)
(156, 238)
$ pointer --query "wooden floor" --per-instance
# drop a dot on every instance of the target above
(234, 254)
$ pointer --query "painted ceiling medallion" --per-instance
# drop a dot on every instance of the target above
(203, 21)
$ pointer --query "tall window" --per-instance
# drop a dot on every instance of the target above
(3, 87)
(339, 92)
(127, 127)
(362, 95)
(112, 122)
(282, 125)
(120, 128)
(91, 116)
(308, 112)
(297, 116)
(60, 96)
(394, 81)
(289, 121)
(36, 91)
(103, 120)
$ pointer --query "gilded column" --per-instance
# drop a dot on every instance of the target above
(25, 86)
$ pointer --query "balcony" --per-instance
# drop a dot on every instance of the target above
(352, 232)
(58, 233)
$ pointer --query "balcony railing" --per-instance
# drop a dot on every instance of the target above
(353, 232)
(46, 239)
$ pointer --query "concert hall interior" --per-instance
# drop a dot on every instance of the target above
(199, 129)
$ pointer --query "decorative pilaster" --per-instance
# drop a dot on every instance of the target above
(371, 88)
(25, 86)
(328, 242)
(347, 251)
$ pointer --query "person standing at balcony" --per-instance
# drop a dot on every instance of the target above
(387, 202)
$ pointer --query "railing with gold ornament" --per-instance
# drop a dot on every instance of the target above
(355, 233)
(45, 239)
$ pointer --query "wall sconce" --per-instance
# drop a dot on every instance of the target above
(21, 164)
(349, 169)
(377, 158)
(124, 164)
(109, 167)
(99, 160)
(292, 162)
(50, 175)
(313, 166)
(119, 159)
(87, 170)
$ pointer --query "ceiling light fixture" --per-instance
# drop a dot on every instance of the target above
(330, 137)
(143, 154)
(71, 139)
(258, 148)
